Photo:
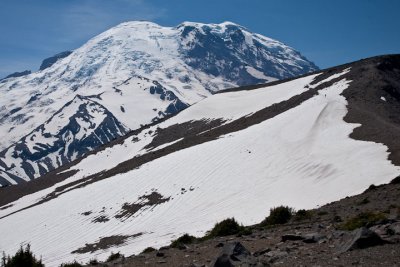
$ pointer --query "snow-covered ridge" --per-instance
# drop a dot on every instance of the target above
(140, 72)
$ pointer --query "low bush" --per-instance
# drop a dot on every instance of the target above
(23, 257)
(114, 256)
(227, 227)
(372, 187)
(302, 215)
(71, 264)
(278, 215)
(183, 240)
(364, 219)
(148, 250)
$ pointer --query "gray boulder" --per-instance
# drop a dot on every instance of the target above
(389, 232)
(235, 254)
(313, 238)
(362, 238)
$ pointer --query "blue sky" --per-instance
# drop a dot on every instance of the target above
(327, 32)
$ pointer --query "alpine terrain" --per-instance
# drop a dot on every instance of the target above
(129, 76)
(301, 142)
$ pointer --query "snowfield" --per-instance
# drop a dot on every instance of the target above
(301, 158)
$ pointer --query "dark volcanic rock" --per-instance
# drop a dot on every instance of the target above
(48, 62)
(235, 254)
(291, 237)
(362, 238)
(261, 252)
(160, 254)
(276, 255)
(389, 232)
(17, 74)
(222, 54)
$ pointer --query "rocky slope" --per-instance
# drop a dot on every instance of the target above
(316, 238)
(139, 72)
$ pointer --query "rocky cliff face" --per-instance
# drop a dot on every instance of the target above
(48, 62)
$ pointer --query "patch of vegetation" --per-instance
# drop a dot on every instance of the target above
(322, 212)
(183, 240)
(372, 187)
(278, 215)
(113, 256)
(364, 201)
(227, 227)
(302, 215)
(364, 219)
(23, 257)
(71, 264)
(148, 250)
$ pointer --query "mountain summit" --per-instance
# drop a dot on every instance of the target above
(131, 75)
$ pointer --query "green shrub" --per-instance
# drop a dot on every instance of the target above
(71, 264)
(278, 215)
(364, 219)
(114, 256)
(302, 215)
(23, 257)
(225, 228)
(148, 250)
(183, 240)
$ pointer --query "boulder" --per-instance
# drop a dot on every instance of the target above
(362, 238)
(394, 228)
(235, 254)
(274, 256)
(389, 232)
(313, 238)
(291, 237)
(261, 252)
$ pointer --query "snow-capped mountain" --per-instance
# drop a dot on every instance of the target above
(301, 143)
(136, 73)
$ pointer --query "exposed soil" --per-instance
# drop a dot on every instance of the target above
(182, 130)
(267, 247)
(105, 242)
(145, 201)
(380, 120)
(100, 219)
